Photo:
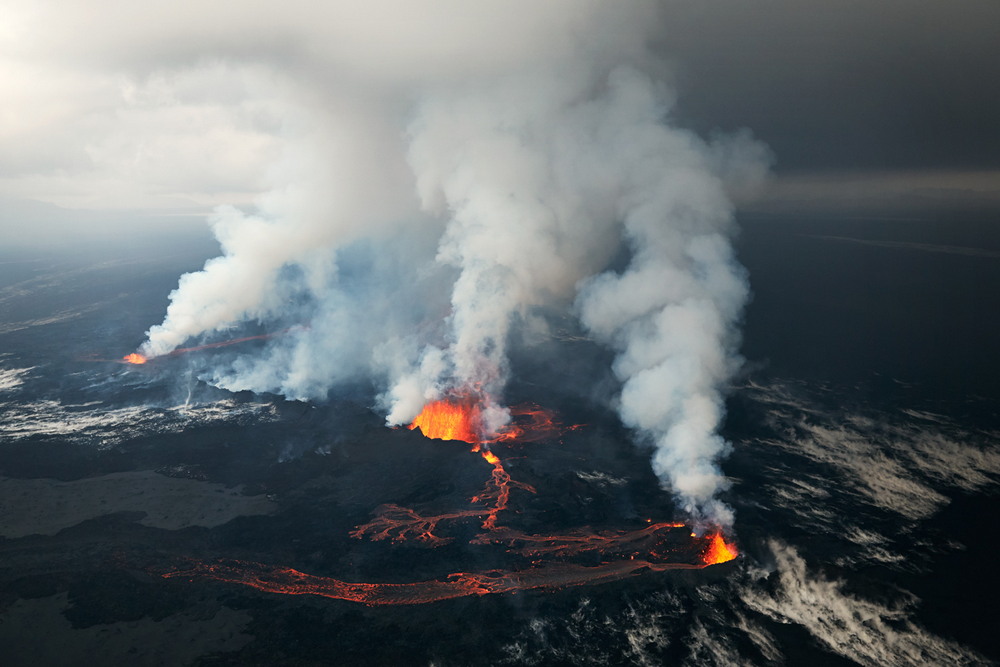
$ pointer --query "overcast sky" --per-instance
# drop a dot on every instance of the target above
(181, 104)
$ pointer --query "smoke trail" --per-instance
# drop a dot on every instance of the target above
(671, 316)
(540, 191)
(421, 214)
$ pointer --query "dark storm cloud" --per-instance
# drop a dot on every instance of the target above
(887, 85)
(113, 105)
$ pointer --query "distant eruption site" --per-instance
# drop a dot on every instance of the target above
(427, 212)
(138, 359)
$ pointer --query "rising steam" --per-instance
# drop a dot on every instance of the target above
(426, 204)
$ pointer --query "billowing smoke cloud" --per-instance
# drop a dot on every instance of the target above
(425, 205)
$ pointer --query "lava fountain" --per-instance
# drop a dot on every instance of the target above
(719, 550)
(458, 419)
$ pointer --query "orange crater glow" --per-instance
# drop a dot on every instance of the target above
(134, 358)
(449, 420)
(719, 551)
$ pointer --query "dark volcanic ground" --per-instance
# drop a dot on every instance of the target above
(864, 476)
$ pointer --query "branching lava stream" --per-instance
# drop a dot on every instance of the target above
(656, 547)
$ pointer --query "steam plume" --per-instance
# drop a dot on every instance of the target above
(422, 211)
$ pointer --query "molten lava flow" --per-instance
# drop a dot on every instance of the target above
(287, 581)
(531, 423)
(719, 551)
(449, 420)
(499, 491)
(583, 556)
(658, 547)
(134, 358)
(399, 524)
(459, 418)
(396, 523)
(652, 541)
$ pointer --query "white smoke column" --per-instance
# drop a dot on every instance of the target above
(671, 316)
(342, 178)
(349, 71)
(672, 313)
(524, 144)
(485, 158)
(542, 179)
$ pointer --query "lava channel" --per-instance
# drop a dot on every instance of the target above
(656, 547)
(399, 524)
(546, 576)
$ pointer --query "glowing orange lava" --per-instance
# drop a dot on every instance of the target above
(646, 542)
(531, 423)
(498, 491)
(581, 556)
(553, 576)
(719, 551)
(658, 547)
(134, 358)
(449, 420)
(398, 524)
(460, 419)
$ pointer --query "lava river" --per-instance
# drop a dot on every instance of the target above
(548, 558)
